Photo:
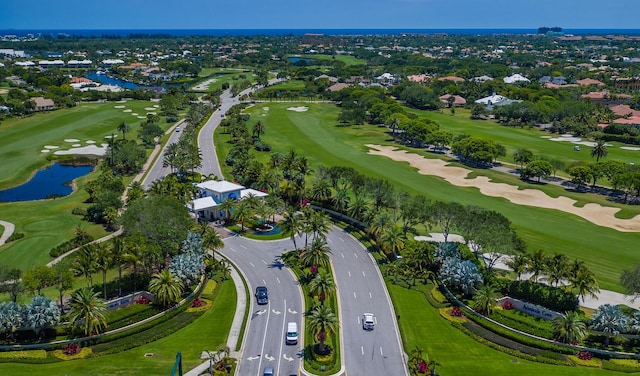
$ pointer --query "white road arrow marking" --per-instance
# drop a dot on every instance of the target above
(243, 246)
(269, 358)
(251, 358)
(363, 274)
(276, 312)
(355, 255)
(253, 266)
(292, 311)
(287, 358)
(261, 312)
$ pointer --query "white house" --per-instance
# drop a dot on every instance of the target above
(515, 78)
(211, 193)
(491, 100)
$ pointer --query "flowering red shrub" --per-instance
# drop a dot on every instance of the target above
(197, 303)
(456, 312)
(142, 300)
(585, 355)
(423, 367)
(507, 305)
(313, 269)
(71, 349)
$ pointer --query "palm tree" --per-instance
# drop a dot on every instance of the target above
(104, 261)
(171, 153)
(118, 255)
(484, 299)
(381, 223)
(569, 328)
(392, 241)
(124, 128)
(242, 214)
(610, 320)
(227, 205)
(134, 256)
(341, 201)
(321, 190)
(258, 129)
(394, 269)
(85, 263)
(88, 310)
(518, 263)
(583, 280)
(166, 287)
(537, 264)
(210, 237)
(317, 254)
(557, 269)
(322, 286)
(322, 322)
(292, 223)
(358, 207)
(599, 150)
(63, 279)
(136, 191)
(319, 224)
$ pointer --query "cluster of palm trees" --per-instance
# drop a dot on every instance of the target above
(555, 270)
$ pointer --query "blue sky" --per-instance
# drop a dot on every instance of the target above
(317, 14)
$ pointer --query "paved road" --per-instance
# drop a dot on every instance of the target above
(361, 289)
(157, 170)
(264, 342)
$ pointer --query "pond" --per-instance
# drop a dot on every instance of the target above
(53, 181)
(107, 80)
(300, 60)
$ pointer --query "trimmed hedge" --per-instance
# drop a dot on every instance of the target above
(23, 354)
(523, 324)
(554, 298)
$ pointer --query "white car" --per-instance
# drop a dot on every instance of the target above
(368, 321)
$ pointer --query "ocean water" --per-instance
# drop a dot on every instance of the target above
(266, 32)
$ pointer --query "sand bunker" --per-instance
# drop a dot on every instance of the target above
(149, 108)
(71, 140)
(142, 117)
(298, 109)
(111, 136)
(85, 150)
(265, 108)
(76, 145)
(119, 106)
(632, 148)
(156, 105)
(127, 110)
(205, 85)
(90, 142)
(45, 150)
(567, 139)
(51, 147)
(594, 213)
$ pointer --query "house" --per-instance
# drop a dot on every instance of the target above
(457, 100)
(451, 78)
(627, 83)
(43, 104)
(79, 63)
(514, 78)
(491, 100)
(481, 79)
(211, 193)
(337, 87)
(419, 78)
(589, 82)
(111, 62)
(386, 79)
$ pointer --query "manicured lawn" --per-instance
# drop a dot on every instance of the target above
(22, 139)
(209, 332)
(223, 76)
(316, 134)
(515, 137)
(421, 325)
(287, 85)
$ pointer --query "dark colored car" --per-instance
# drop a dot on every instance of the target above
(268, 371)
(261, 295)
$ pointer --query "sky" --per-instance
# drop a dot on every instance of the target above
(317, 14)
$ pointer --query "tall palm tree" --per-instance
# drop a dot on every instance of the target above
(89, 310)
(319, 224)
(583, 280)
(484, 299)
(210, 237)
(599, 150)
(381, 223)
(242, 214)
(85, 263)
(569, 328)
(136, 191)
(322, 286)
(358, 207)
(227, 205)
(171, 153)
(317, 254)
(321, 190)
(123, 128)
(557, 269)
(134, 256)
(391, 241)
(118, 256)
(537, 264)
(323, 321)
(166, 287)
(104, 262)
(292, 223)
(258, 129)
(341, 201)
(518, 263)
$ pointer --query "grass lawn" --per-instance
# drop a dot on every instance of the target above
(223, 76)
(209, 332)
(22, 139)
(515, 137)
(315, 134)
(421, 325)
(287, 85)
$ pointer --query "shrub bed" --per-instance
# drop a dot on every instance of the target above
(23, 354)
(523, 322)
